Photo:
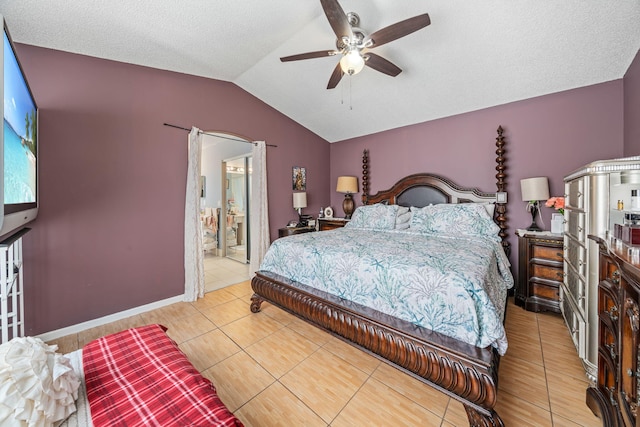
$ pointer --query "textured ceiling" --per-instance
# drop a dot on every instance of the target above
(475, 54)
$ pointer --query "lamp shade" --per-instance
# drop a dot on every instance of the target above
(347, 184)
(534, 188)
(352, 62)
(299, 200)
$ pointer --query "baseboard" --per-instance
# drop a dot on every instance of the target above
(59, 333)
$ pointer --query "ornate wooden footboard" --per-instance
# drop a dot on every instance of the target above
(460, 370)
(463, 371)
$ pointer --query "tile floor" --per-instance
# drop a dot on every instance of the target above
(220, 272)
(238, 253)
(272, 369)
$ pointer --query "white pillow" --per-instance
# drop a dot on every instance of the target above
(377, 217)
(37, 385)
(465, 219)
(490, 207)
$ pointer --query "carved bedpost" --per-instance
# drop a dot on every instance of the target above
(365, 176)
(501, 208)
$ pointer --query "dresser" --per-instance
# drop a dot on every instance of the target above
(540, 271)
(614, 397)
(591, 207)
(331, 223)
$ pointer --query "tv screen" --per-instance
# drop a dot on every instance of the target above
(19, 141)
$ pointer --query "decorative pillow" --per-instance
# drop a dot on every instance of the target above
(377, 217)
(37, 385)
(467, 219)
(403, 218)
(490, 207)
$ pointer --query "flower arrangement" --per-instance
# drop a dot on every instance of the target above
(557, 203)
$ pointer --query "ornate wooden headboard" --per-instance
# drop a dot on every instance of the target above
(423, 189)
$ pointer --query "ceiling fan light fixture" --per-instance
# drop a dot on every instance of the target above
(352, 63)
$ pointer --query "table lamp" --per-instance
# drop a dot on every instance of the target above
(347, 185)
(299, 202)
(533, 190)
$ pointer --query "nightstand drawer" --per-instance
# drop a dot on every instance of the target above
(546, 252)
(325, 224)
(546, 272)
(290, 231)
(546, 291)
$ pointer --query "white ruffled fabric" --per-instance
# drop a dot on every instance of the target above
(37, 385)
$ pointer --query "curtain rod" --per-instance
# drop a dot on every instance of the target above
(216, 135)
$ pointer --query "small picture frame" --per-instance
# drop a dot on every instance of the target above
(299, 179)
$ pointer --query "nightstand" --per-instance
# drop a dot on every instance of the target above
(290, 231)
(540, 271)
(325, 224)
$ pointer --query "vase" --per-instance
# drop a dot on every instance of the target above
(557, 223)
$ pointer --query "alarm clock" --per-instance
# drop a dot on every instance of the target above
(328, 212)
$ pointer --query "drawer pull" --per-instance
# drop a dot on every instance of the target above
(613, 313)
(612, 350)
(630, 373)
(559, 254)
(633, 314)
(615, 277)
(612, 396)
(560, 274)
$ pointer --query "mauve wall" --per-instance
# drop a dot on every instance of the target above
(632, 108)
(549, 136)
(109, 234)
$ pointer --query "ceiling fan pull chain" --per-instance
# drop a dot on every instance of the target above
(350, 97)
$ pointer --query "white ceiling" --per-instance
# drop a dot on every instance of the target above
(475, 54)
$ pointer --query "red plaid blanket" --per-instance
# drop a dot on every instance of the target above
(139, 377)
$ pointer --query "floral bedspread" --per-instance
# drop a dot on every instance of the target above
(456, 286)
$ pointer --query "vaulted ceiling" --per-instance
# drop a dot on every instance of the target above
(475, 54)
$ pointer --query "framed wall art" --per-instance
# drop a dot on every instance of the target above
(299, 179)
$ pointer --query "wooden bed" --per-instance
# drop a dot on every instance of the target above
(460, 370)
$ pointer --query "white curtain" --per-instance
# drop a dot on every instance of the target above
(193, 249)
(260, 240)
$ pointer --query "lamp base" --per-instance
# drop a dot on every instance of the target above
(533, 208)
(534, 227)
(347, 205)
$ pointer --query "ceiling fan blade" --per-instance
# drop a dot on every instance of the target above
(309, 55)
(335, 77)
(399, 29)
(337, 18)
(378, 63)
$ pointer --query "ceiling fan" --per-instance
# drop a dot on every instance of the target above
(354, 45)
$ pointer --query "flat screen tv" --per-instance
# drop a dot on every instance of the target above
(19, 141)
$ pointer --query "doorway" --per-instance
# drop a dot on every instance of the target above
(220, 270)
(237, 193)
